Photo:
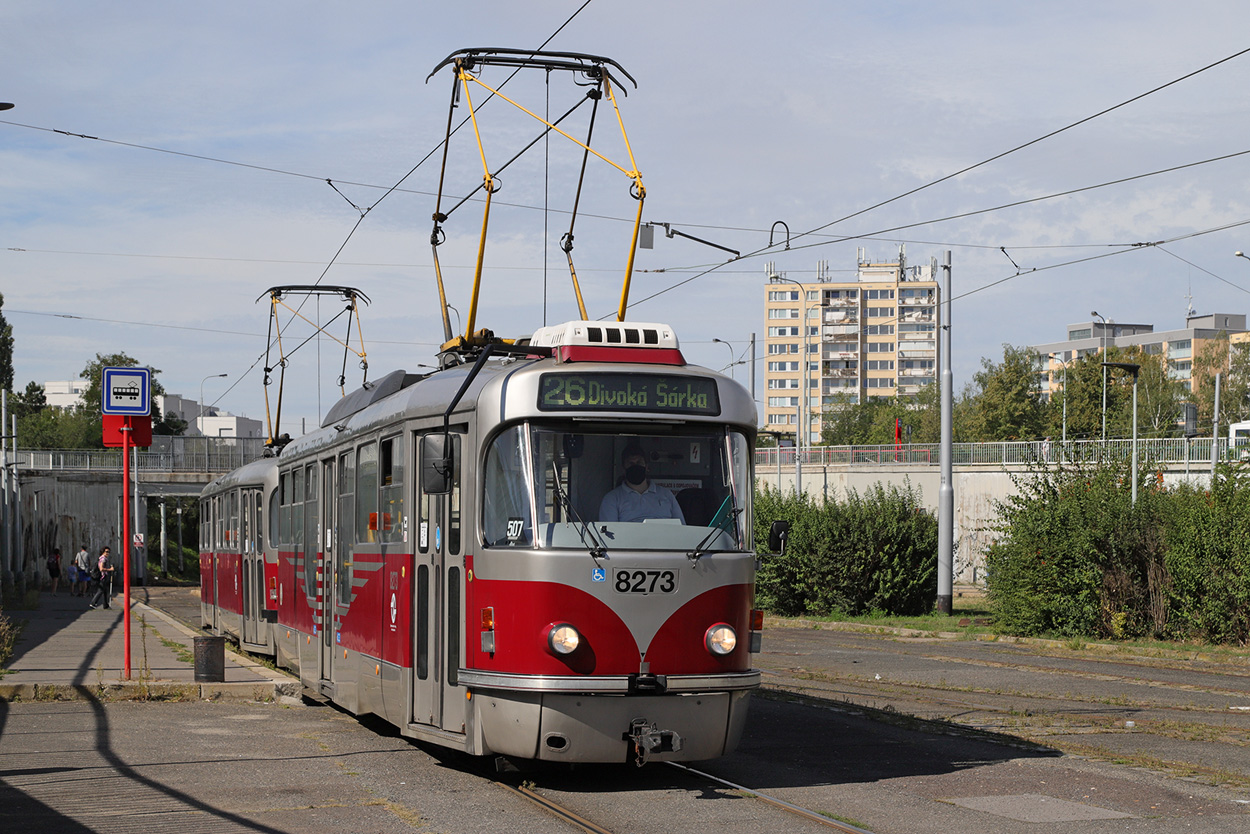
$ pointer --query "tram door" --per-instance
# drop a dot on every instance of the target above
(252, 545)
(209, 546)
(437, 615)
(328, 543)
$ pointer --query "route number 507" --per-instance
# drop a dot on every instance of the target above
(645, 581)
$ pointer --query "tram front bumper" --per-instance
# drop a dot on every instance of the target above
(611, 728)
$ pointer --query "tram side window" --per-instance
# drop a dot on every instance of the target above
(245, 522)
(297, 525)
(232, 524)
(259, 520)
(367, 522)
(506, 515)
(218, 523)
(453, 500)
(391, 521)
(205, 515)
(311, 540)
(286, 487)
(346, 521)
(274, 514)
(423, 504)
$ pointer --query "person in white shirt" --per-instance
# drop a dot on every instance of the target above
(637, 498)
(82, 561)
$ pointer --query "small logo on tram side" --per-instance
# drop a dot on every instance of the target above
(598, 575)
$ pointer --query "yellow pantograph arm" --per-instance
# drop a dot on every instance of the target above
(634, 175)
(321, 329)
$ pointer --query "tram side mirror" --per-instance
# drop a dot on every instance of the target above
(777, 536)
(436, 465)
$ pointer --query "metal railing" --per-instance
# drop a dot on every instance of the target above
(166, 454)
(1192, 452)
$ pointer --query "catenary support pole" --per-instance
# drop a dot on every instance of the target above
(946, 492)
(1215, 430)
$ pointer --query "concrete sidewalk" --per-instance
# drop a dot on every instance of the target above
(67, 650)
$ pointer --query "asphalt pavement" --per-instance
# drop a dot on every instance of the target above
(896, 733)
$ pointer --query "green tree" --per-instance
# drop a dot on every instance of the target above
(1159, 396)
(871, 423)
(1233, 364)
(1005, 404)
(6, 350)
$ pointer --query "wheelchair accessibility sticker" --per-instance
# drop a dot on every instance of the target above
(598, 575)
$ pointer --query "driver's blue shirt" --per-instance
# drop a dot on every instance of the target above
(627, 504)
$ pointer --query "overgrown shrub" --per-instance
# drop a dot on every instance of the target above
(1075, 557)
(875, 552)
(1207, 534)
(8, 636)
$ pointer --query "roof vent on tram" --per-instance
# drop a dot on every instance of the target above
(600, 341)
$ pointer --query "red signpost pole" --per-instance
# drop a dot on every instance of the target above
(125, 548)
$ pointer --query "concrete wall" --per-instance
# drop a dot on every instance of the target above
(66, 510)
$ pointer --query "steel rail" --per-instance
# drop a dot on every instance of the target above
(554, 808)
(797, 810)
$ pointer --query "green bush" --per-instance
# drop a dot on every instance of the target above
(1208, 560)
(8, 637)
(1075, 557)
(876, 552)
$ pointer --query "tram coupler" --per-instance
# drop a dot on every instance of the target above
(650, 739)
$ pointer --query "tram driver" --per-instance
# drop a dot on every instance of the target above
(636, 498)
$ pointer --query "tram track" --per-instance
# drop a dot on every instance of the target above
(554, 808)
(532, 792)
(788, 807)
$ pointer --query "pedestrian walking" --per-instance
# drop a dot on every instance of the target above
(103, 574)
(54, 568)
(82, 562)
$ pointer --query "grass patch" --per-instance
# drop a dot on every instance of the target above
(184, 654)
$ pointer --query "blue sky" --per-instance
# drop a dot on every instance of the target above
(745, 114)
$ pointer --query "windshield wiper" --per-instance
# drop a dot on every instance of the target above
(723, 521)
(583, 529)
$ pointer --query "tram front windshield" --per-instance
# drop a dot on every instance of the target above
(684, 490)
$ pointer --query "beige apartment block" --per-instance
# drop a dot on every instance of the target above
(868, 333)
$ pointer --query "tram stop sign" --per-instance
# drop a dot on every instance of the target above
(126, 400)
(127, 391)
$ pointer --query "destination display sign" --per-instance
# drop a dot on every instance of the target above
(656, 393)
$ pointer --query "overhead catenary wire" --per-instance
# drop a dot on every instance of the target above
(773, 248)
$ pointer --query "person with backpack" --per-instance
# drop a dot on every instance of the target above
(103, 575)
(82, 561)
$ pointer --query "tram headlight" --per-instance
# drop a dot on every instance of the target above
(720, 639)
(563, 639)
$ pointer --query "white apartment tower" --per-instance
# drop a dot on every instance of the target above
(830, 341)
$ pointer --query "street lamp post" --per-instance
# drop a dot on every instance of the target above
(199, 423)
(802, 429)
(1133, 369)
(1241, 255)
(730, 366)
(1102, 343)
(1063, 438)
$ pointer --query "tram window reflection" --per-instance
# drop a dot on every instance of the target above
(552, 493)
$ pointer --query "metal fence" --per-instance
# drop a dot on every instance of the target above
(1192, 452)
(166, 454)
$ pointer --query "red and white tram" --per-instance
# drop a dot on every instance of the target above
(439, 553)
